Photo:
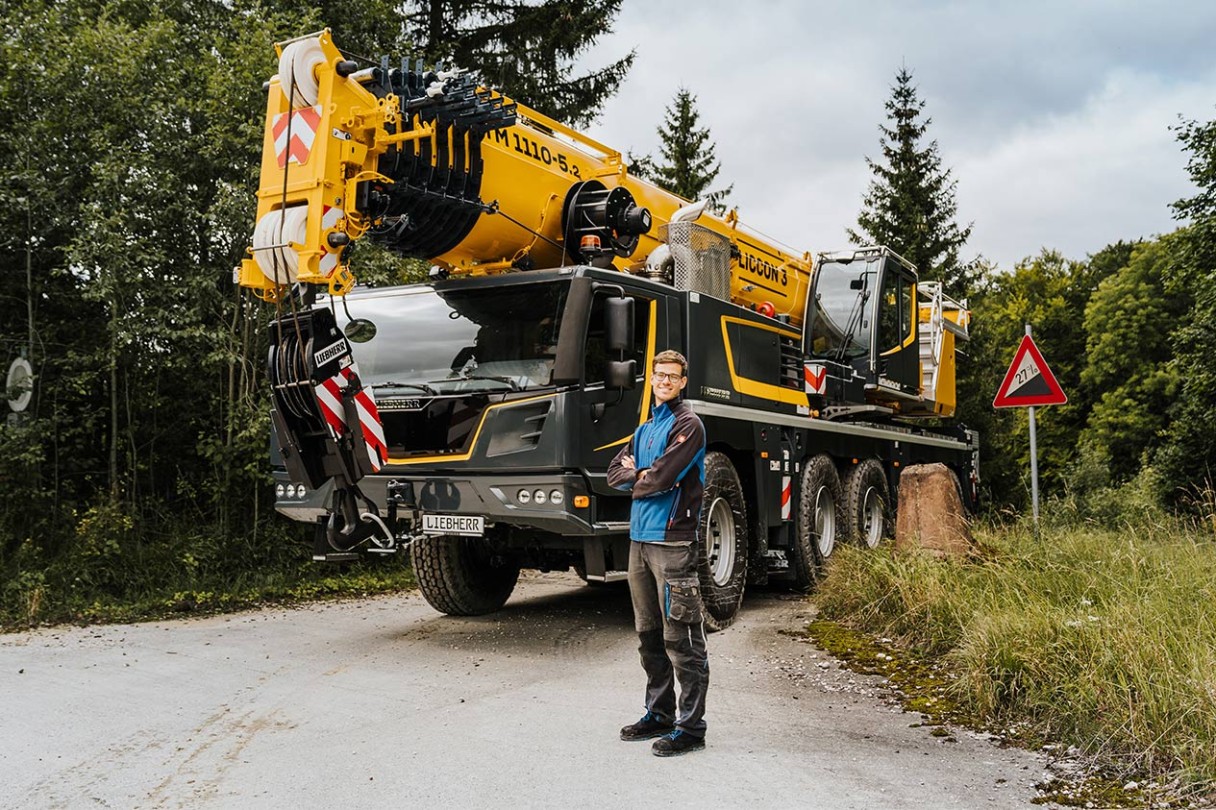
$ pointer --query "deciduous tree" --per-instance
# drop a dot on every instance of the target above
(131, 135)
(134, 145)
(1048, 292)
(1129, 321)
(1188, 458)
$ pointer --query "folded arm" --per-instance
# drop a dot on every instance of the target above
(684, 444)
(622, 472)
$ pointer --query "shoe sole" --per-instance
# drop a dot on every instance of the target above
(647, 736)
(664, 753)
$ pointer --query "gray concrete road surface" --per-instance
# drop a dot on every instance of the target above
(385, 703)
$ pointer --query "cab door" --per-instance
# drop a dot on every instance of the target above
(896, 342)
(608, 416)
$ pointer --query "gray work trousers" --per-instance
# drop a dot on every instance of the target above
(667, 614)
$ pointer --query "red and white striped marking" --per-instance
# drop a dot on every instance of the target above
(786, 505)
(816, 375)
(329, 397)
(304, 124)
(329, 259)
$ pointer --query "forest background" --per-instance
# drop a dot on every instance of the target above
(130, 133)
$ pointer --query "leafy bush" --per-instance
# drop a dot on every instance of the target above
(121, 565)
(1090, 496)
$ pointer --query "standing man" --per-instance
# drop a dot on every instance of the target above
(664, 469)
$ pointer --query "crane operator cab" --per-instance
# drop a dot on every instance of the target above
(871, 346)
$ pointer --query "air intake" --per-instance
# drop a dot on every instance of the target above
(702, 258)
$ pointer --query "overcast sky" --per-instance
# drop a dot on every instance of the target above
(1054, 117)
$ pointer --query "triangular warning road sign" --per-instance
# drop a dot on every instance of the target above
(1029, 382)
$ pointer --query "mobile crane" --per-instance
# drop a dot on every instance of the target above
(478, 428)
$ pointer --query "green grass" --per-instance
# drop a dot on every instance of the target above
(1102, 639)
(115, 565)
(282, 585)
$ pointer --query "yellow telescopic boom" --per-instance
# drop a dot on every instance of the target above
(434, 167)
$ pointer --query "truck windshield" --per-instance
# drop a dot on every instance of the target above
(840, 322)
(454, 339)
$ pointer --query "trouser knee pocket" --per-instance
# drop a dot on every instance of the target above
(683, 600)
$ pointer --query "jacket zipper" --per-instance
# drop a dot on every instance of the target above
(675, 504)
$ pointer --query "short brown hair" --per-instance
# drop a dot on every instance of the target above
(670, 356)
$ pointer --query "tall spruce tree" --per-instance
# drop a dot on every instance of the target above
(527, 50)
(524, 48)
(689, 166)
(910, 205)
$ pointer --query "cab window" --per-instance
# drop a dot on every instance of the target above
(895, 311)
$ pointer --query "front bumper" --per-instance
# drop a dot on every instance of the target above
(494, 497)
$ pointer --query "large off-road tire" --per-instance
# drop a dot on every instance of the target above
(724, 539)
(818, 521)
(867, 504)
(461, 576)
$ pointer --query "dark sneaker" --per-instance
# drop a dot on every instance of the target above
(676, 743)
(649, 727)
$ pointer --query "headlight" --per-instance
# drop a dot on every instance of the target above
(539, 496)
(524, 496)
(279, 490)
(291, 490)
(301, 491)
(556, 497)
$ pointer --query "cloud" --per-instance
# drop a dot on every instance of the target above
(1054, 118)
(1079, 181)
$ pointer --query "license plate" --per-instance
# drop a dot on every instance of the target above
(466, 525)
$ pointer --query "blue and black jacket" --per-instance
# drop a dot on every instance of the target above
(670, 449)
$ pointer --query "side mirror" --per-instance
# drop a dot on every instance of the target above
(622, 374)
(618, 318)
(360, 330)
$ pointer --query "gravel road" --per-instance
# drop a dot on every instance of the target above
(383, 702)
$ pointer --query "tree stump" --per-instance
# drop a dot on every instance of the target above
(931, 515)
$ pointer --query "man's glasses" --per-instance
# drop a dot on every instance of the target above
(661, 376)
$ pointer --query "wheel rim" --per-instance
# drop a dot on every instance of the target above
(825, 522)
(873, 521)
(721, 538)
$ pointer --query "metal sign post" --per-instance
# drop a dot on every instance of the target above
(1034, 467)
(1028, 383)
